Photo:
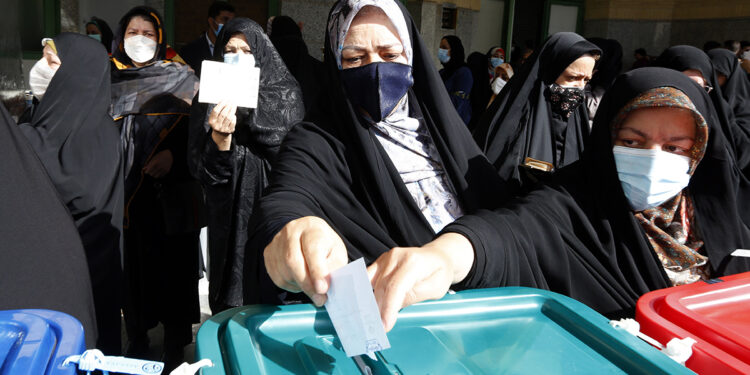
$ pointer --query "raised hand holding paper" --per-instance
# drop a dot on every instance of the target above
(231, 83)
(354, 312)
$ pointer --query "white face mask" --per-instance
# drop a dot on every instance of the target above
(497, 85)
(140, 49)
(40, 76)
(244, 59)
(650, 177)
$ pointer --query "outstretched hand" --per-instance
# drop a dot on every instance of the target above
(404, 276)
(303, 254)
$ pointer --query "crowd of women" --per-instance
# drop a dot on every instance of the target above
(636, 183)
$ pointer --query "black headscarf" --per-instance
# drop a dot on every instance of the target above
(283, 26)
(480, 90)
(520, 123)
(736, 89)
(609, 65)
(234, 180)
(457, 56)
(162, 89)
(78, 144)
(105, 31)
(336, 169)
(682, 58)
(43, 261)
(307, 70)
(153, 16)
(577, 235)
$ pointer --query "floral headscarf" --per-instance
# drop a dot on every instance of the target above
(669, 227)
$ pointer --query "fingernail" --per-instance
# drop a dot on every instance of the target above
(318, 299)
(321, 286)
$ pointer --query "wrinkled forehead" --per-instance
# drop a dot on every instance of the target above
(344, 13)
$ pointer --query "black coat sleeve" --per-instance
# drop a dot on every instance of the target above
(544, 240)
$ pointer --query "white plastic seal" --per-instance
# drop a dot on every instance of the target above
(679, 350)
(186, 369)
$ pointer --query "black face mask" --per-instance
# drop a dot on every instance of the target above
(564, 100)
(378, 87)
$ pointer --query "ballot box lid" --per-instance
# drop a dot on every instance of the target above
(37, 342)
(715, 313)
(502, 330)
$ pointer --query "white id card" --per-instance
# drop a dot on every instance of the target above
(230, 83)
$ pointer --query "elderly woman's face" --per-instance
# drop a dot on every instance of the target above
(661, 128)
(578, 73)
(371, 38)
(237, 44)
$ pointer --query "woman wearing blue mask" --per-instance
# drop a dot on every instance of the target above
(151, 97)
(456, 75)
(656, 201)
(387, 163)
(537, 123)
(232, 149)
(98, 29)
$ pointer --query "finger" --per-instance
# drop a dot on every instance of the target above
(226, 125)
(372, 272)
(275, 262)
(393, 293)
(316, 248)
(296, 268)
(225, 111)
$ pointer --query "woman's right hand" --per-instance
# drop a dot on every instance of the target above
(302, 256)
(222, 120)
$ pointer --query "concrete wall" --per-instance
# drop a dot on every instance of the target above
(488, 30)
(426, 14)
(110, 11)
(314, 16)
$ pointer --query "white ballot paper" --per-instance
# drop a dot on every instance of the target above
(354, 312)
(741, 253)
(230, 83)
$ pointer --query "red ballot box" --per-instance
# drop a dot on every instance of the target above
(716, 313)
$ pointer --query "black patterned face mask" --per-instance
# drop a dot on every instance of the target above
(564, 100)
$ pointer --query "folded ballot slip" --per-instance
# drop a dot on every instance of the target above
(229, 83)
(353, 311)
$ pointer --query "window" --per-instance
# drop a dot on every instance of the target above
(39, 19)
(450, 15)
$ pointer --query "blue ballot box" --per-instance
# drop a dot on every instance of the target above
(36, 342)
(490, 331)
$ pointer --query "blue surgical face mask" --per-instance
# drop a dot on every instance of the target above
(496, 61)
(443, 55)
(650, 177)
(218, 28)
(97, 37)
(246, 59)
(378, 87)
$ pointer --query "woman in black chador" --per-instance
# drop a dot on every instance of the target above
(655, 201)
(231, 151)
(151, 99)
(43, 261)
(388, 162)
(76, 140)
(537, 123)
